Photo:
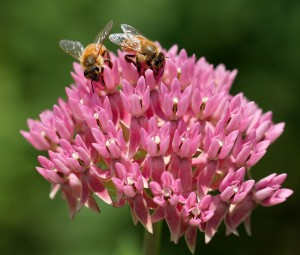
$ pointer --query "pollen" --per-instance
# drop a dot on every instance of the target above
(156, 139)
(130, 180)
(220, 143)
(235, 189)
(96, 116)
(175, 105)
(203, 104)
(167, 192)
(109, 142)
(178, 73)
(196, 211)
(75, 155)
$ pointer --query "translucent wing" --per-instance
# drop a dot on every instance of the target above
(126, 41)
(127, 29)
(103, 34)
(73, 48)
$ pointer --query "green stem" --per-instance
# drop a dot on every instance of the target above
(152, 241)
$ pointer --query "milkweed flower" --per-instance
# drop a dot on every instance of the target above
(178, 148)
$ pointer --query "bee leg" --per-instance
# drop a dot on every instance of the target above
(105, 54)
(154, 72)
(129, 59)
(101, 78)
(138, 67)
(136, 63)
(108, 62)
(106, 57)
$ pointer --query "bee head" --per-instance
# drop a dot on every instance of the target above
(158, 62)
(92, 73)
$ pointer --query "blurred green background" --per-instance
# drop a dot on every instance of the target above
(260, 38)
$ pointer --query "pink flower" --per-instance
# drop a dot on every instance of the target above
(195, 213)
(174, 102)
(175, 147)
(180, 66)
(268, 190)
(156, 140)
(240, 213)
(156, 143)
(217, 144)
(98, 115)
(136, 100)
(247, 152)
(233, 189)
(166, 196)
(110, 144)
(131, 184)
(185, 144)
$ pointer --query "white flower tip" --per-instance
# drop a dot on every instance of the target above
(207, 238)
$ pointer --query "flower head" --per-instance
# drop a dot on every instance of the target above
(176, 147)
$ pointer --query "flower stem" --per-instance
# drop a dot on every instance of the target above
(152, 241)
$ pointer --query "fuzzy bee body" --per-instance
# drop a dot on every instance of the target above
(143, 53)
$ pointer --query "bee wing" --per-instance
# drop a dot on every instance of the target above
(100, 38)
(73, 48)
(127, 29)
(126, 41)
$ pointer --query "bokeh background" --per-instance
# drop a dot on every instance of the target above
(260, 38)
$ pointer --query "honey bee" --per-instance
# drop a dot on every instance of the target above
(93, 57)
(146, 54)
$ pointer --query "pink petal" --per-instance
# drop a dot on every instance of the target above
(85, 191)
(263, 194)
(121, 171)
(255, 158)
(213, 149)
(185, 174)
(213, 224)
(98, 187)
(155, 188)
(167, 179)
(227, 194)
(264, 182)
(149, 79)
(134, 136)
(173, 220)
(72, 201)
(205, 178)
(274, 132)
(142, 212)
(108, 78)
(191, 238)
(240, 213)
(243, 155)
(92, 204)
(50, 176)
(129, 191)
(158, 168)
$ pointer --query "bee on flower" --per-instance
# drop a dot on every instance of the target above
(93, 57)
(142, 52)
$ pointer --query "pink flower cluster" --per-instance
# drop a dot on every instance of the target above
(177, 148)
